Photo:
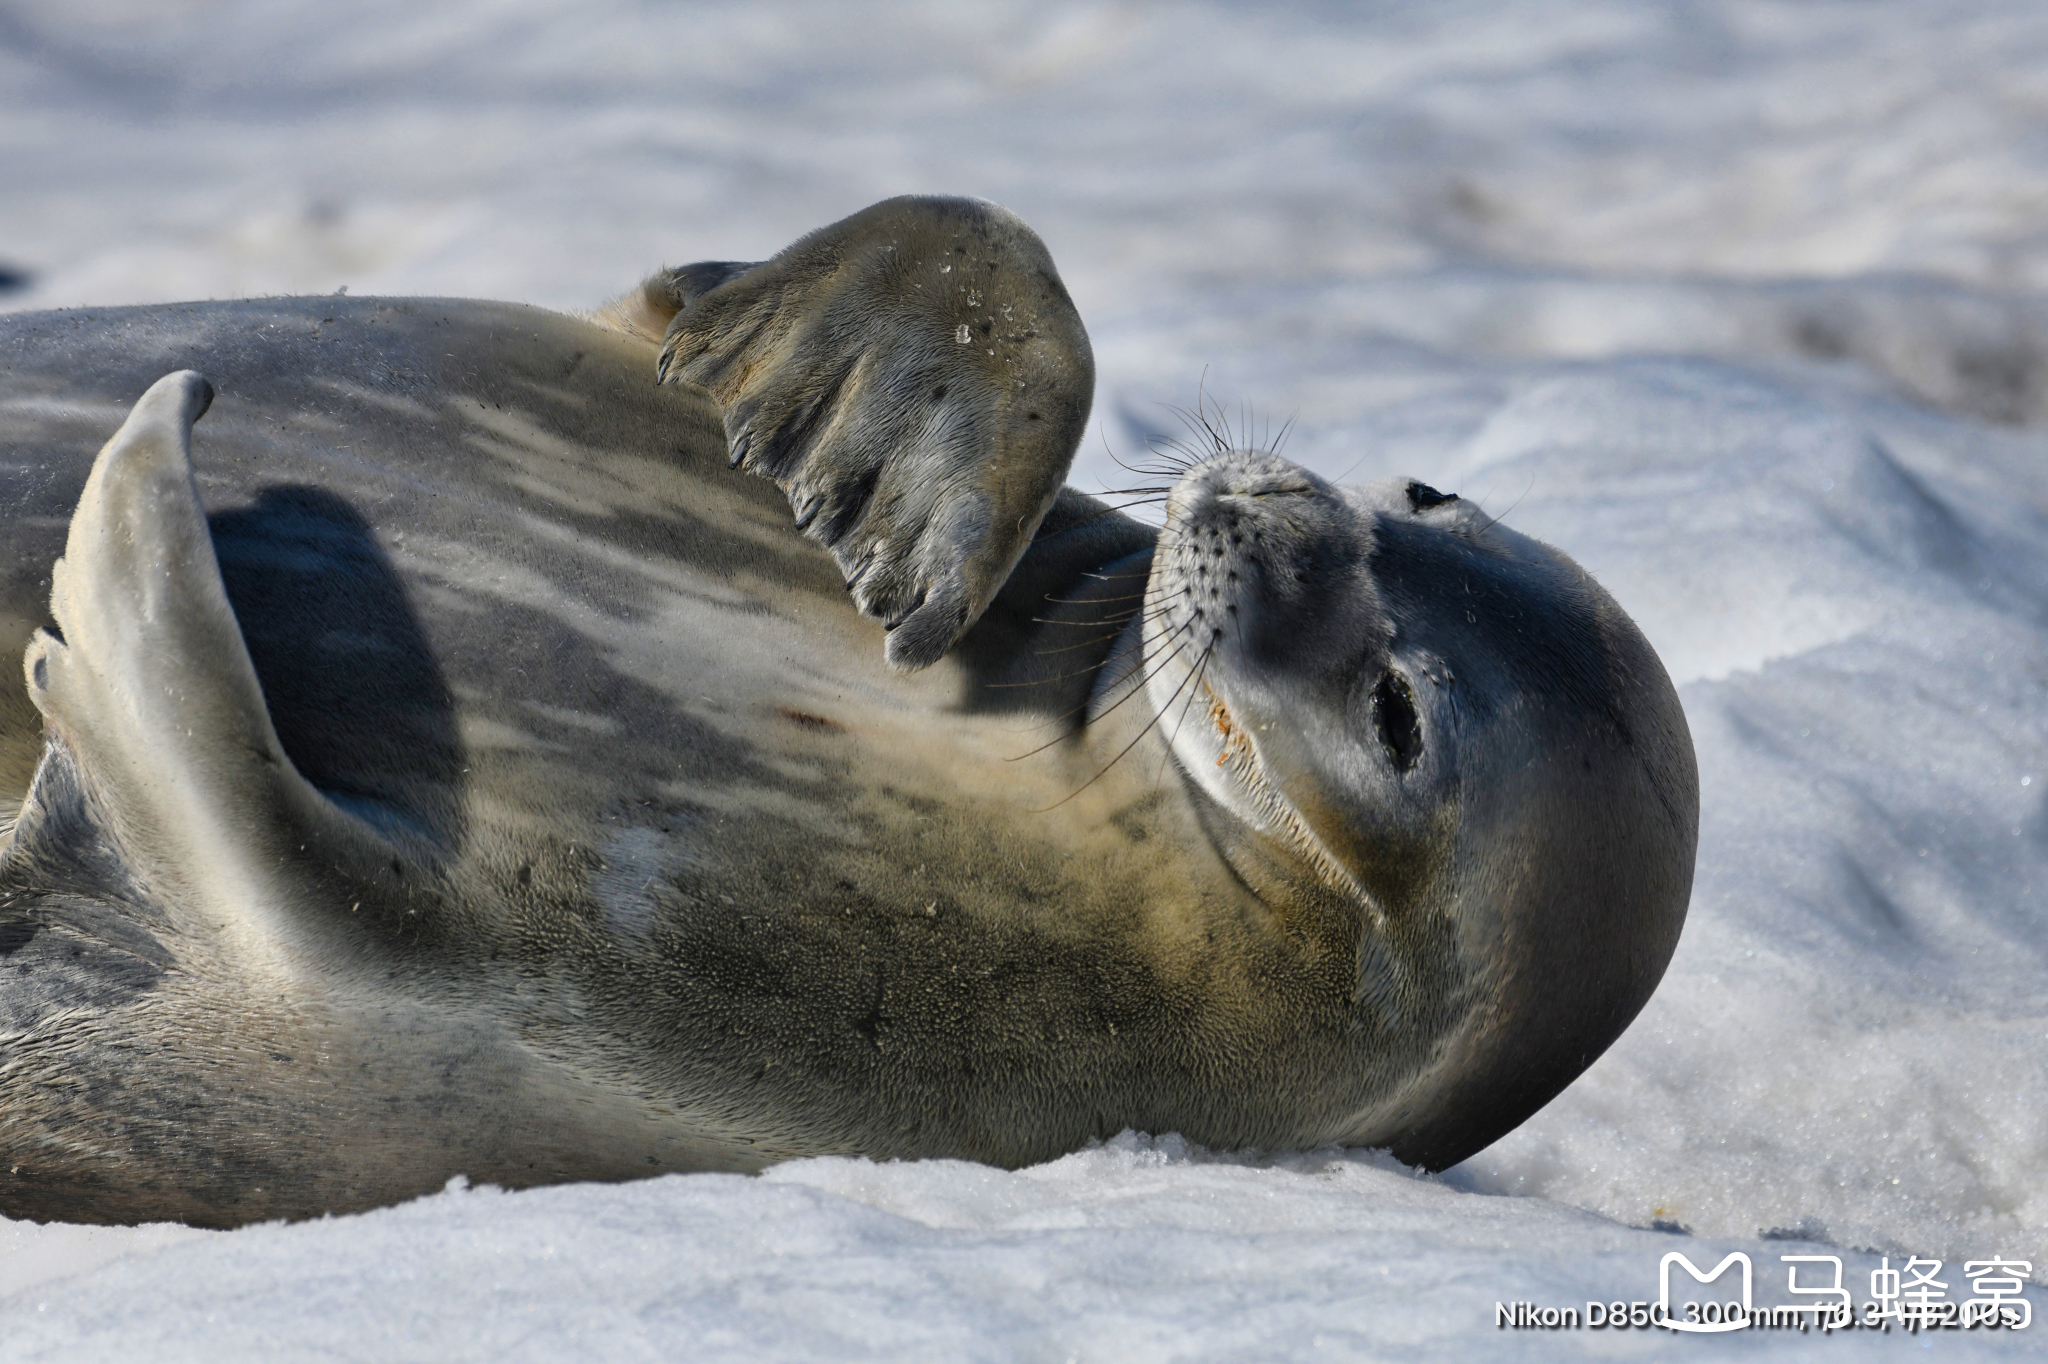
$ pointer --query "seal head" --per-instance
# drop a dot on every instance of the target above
(1399, 710)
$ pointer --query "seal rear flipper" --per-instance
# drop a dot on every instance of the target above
(149, 685)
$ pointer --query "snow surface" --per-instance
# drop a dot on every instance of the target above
(1739, 303)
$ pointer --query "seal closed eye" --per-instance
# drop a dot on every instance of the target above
(656, 815)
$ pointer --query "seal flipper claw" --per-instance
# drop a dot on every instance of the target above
(916, 379)
(149, 683)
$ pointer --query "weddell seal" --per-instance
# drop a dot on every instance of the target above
(448, 765)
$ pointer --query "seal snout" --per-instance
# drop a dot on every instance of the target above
(1251, 542)
(1260, 604)
(1240, 474)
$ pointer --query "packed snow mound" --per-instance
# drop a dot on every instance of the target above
(1137, 1250)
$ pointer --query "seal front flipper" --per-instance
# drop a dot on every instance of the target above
(916, 379)
(149, 686)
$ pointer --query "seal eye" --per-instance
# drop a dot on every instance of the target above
(1393, 714)
(1421, 497)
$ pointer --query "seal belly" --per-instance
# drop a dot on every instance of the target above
(685, 875)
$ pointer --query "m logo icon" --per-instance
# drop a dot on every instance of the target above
(1715, 1316)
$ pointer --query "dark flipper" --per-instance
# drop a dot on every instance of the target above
(916, 379)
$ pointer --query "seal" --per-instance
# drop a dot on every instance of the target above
(454, 767)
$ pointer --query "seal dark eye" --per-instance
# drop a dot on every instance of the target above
(1421, 497)
(1393, 714)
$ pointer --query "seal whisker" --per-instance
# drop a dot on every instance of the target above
(1093, 601)
(1119, 617)
(1115, 510)
(1286, 430)
(1200, 670)
(1120, 620)
(1178, 457)
(1069, 648)
(1175, 470)
(1511, 506)
(1115, 618)
(1147, 471)
(1136, 739)
(1349, 470)
(1041, 681)
(1119, 625)
(1135, 689)
(1115, 507)
(1145, 660)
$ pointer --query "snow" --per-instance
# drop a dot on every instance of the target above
(1139, 1250)
(1739, 303)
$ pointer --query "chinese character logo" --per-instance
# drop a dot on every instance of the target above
(1831, 1303)
(1997, 1285)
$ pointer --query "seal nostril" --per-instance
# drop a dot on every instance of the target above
(1393, 714)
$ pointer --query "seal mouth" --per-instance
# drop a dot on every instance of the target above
(1258, 573)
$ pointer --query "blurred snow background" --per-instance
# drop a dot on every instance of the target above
(1740, 303)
